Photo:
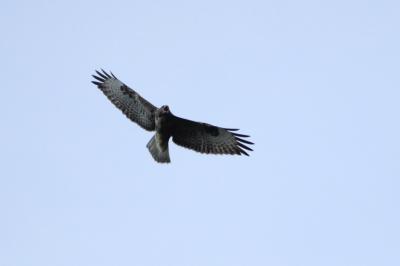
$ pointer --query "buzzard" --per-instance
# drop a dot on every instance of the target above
(201, 137)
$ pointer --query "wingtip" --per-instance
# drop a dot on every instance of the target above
(240, 135)
(244, 141)
(243, 152)
(98, 78)
(105, 73)
(244, 146)
(101, 74)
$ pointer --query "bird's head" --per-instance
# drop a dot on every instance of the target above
(161, 116)
(164, 110)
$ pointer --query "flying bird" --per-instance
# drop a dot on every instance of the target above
(201, 137)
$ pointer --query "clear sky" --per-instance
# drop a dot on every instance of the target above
(315, 83)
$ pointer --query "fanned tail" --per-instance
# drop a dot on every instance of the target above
(159, 153)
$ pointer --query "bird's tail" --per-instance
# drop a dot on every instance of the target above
(159, 152)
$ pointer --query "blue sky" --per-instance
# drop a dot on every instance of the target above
(315, 83)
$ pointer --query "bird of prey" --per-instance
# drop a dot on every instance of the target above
(201, 137)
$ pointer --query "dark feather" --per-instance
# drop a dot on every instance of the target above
(244, 141)
(244, 146)
(98, 78)
(105, 73)
(101, 75)
(240, 135)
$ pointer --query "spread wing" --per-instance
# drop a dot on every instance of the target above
(135, 107)
(207, 138)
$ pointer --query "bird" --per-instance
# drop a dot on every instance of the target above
(198, 136)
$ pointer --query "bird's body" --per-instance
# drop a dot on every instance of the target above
(198, 136)
(158, 145)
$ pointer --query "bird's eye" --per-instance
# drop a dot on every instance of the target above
(166, 109)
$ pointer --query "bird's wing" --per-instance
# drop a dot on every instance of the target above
(135, 107)
(207, 138)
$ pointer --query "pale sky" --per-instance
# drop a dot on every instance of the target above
(315, 83)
